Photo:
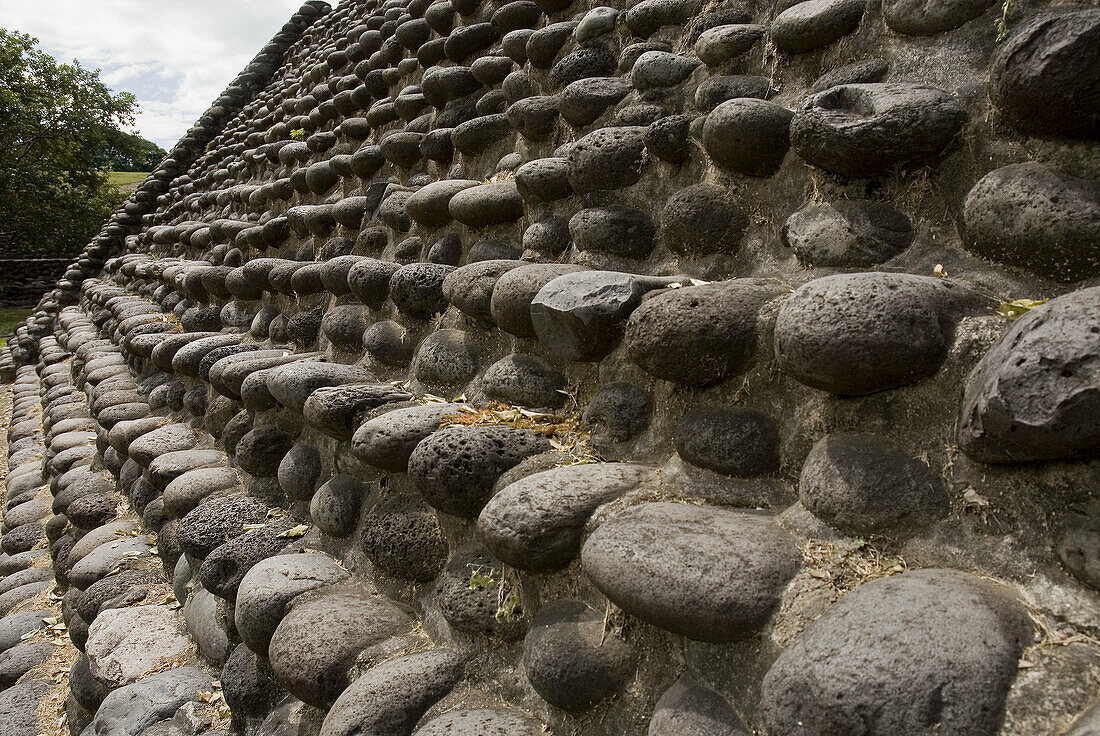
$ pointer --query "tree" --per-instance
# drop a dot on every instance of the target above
(128, 152)
(54, 120)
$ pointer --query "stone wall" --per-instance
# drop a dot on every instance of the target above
(530, 367)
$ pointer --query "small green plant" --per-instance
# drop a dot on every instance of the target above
(1019, 307)
(1002, 22)
(298, 134)
(482, 578)
(508, 609)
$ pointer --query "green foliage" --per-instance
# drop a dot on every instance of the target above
(298, 134)
(10, 319)
(55, 119)
(128, 152)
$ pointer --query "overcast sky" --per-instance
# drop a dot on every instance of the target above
(176, 56)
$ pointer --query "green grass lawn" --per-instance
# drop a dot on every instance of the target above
(127, 178)
(9, 318)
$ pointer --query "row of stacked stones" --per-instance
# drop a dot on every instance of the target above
(524, 368)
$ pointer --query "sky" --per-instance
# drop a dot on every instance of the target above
(175, 56)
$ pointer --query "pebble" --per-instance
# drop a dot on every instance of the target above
(470, 288)
(720, 44)
(620, 410)
(387, 441)
(482, 722)
(487, 204)
(525, 380)
(446, 358)
(811, 24)
(690, 709)
(701, 219)
(710, 574)
(584, 101)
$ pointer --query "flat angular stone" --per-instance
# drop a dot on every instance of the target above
(125, 643)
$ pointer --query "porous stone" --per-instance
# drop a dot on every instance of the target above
(608, 158)
(1032, 216)
(698, 335)
(747, 135)
(1033, 394)
(1045, 79)
(402, 537)
(729, 440)
(926, 17)
(417, 289)
(388, 440)
(847, 233)
(868, 129)
(855, 334)
(456, 467)
(268, 588)
(391, 697)
(884, 650)
(132, 709)
(316, 642)
(569, 661)
(536, 523)
(618, 230)
(720, 44)
(807, 25)
(621, 409)
(710, 574)
(865, 486)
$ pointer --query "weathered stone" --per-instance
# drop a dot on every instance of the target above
(847, 233)
(1033, 396)
(708, 573)
(536, 523)
(864, 486)
(268, 588)
(884, 650)
(568, 659)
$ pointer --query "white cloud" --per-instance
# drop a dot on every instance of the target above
(176, 56)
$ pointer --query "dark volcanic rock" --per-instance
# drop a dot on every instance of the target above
(711, 574)
(569, 661)
(729, 440)
(402, 537)
(884, 650)
(868, 129)
(864, 486)
(847, 233)
(1031, 216)
(1034, 395)
(455, 468)
(1045, 79)
(698, 335)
